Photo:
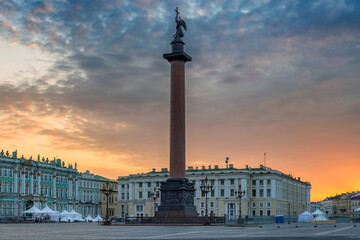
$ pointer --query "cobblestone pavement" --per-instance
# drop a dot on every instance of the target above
(95, 231)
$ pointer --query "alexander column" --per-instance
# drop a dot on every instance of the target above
(177, 193)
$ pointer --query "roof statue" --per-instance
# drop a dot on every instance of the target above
(179, 25)
(2, 153)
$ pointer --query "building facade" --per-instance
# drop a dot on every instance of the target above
(89, 194)
(267, 192)
(355, 204)
(27, 182)
(108, 197)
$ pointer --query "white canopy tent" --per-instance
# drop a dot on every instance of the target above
(64, 213)
(67, 219)
(305, 217)
(98, 219)
(49, 211)
(317, 212)
(73, 214)
(78, 218)
(89, 219)
(33, 210)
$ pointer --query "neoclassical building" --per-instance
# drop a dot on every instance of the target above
(28, 182)
(89, 194)
(268, 192)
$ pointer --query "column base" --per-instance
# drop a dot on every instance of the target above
(177, 202)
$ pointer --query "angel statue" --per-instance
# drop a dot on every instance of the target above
(179, 23)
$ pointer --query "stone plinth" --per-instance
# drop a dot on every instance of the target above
(177, 202)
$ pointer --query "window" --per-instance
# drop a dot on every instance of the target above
(254, 212)
(10, 187)
(261, 192)
(254, 182)
(5, 172)
(122, 186)
(268, 182)
(222, 182)
(254, 205)
(149, 194)
(261, 205)
(231, 181)
(1, 172)
(45, 177)
(149, 184)
(50, 178)
(268, 212)
(140, 194)
(140, 185)
(212, 204)
(261, 212)
(261, 182)
(222, 192)
(213, 193)
(202, 204)
(212, 182)
(11, 173)
(254, 192)
(122, 195)
(268, 192)
(232, 192)
(268, 205)
(202, 193)
(139, 208)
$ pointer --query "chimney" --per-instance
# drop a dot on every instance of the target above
(154, 170)
(209, 166)
(164, 170)
(197, 168)
(203, 167)
(190, 168)
(216, 167)
(231, 165)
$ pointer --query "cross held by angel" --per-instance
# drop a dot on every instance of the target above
(179, 25)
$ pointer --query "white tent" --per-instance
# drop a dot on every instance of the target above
(321, 218)
(89, 219)
(67, 219)
(317, 212)
(305, 217)
(78, 218)
(48, 210)
(33, 210)
(73, 214)
(64, 213)
(98, 219)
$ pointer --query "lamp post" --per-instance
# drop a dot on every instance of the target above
(154, 195)
(206, 188)
(107, 191)
(239, 194)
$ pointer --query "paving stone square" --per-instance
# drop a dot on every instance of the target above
(95, 231)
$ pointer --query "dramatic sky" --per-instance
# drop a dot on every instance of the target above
(85, 81)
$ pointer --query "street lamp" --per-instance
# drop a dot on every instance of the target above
(239, 194)
(206, 188)
(289, 213)
(107, 192)
(154, 195)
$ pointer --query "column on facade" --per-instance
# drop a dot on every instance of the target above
(243, 182)
(39, 183)
(265, 188)
(15, 181)
(145, 196)
(70, 188)
(227, 188)
(76, 189)
(23, 182)
(31, 182)
(130, 191)
(126, 190)
(54, 185)
(216, 188)
(197, 187)
(136, 191)
(273, 188)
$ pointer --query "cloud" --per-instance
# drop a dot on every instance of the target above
(259, 69)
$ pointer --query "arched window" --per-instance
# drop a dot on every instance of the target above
(11, 187)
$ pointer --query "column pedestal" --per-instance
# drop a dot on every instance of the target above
(177, 202)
